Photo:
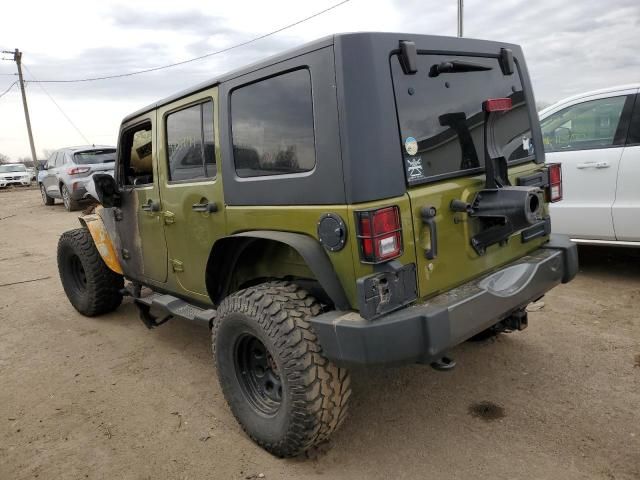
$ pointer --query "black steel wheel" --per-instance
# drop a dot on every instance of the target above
(92, 288)
(284, 393)
(258, 374)
(46, 199)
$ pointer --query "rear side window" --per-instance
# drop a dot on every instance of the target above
(591, 124)
(634, 127)
(272, 126)
(190, 144)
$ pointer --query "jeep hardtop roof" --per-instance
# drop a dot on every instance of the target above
(355, 116)
(439, 42)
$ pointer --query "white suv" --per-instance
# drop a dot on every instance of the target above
(596, 138)
(14, 174)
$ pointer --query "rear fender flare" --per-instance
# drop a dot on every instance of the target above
(227, 251)
(101, 240)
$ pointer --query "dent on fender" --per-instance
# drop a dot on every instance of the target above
(102, 240)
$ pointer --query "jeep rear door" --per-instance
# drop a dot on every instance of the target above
(190, 188)
(441, 123)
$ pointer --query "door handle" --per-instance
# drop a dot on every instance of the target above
(593, 165)
(208, 207)
(151, 206)
(428, 215)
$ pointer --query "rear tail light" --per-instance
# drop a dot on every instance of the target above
(379, 234)
(497, 105)
(555, 182)
(77, 170)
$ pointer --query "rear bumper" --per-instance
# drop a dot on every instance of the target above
(425, 332)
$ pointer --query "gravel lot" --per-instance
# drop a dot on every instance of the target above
(107, 398)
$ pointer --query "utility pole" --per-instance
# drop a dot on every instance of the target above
(17, 57)
(460, 12)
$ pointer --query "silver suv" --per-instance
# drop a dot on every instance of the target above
(69, 172)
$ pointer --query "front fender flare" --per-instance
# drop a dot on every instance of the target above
(228, 250)
(102, 240)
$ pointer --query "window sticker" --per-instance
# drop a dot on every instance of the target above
(414, 168)
(411, 145)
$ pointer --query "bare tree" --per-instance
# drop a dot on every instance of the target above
(3, 158)
(26, 161)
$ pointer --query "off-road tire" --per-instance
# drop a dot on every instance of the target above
(69, 203)
(46, 199)
(315, 392)
(92, 288)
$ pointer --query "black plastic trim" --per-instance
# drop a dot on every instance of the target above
(422, 333)
(227, 251)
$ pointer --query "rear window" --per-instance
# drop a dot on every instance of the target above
(441, 119)
(94, 156)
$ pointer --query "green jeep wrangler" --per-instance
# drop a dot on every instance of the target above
(368, 198)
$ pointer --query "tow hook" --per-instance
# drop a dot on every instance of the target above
(443, 364)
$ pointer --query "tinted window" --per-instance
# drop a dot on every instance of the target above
(190, 144)
(94, 156)
(634, 127)
(591, 124)
(272, 126)
(137, 156)
(442, 120)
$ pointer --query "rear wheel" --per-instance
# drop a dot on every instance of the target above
(92, 288)
(284, 393)
(46, 199)
(69, 203)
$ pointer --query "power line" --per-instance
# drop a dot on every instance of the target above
(8, 88)
(217, 52)
(56, 104)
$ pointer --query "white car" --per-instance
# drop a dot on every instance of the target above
(595, 136)
(14, 174)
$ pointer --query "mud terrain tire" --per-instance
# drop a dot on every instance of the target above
(92, 288)
(261, 336)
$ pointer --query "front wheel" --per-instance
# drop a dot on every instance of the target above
(92, 288)
(284, 393)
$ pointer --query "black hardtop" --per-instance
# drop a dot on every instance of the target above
(343, 40)
(359, 151)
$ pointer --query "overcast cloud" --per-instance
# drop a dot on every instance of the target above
(570, 46)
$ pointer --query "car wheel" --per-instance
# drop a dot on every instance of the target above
(69, 203)
(92, 288)
(46, 199)
(284, 393)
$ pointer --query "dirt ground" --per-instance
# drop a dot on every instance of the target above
(107, 398)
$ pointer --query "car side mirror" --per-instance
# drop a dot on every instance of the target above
(107, 190)
(562, 134)
(41, 167)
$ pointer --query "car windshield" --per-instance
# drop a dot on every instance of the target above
(95, 156)
(12, 168)
(441, 117)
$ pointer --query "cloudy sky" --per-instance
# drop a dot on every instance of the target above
(571, 46)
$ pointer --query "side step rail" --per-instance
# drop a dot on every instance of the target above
(169, 307)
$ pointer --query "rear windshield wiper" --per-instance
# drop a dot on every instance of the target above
(456, 67)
